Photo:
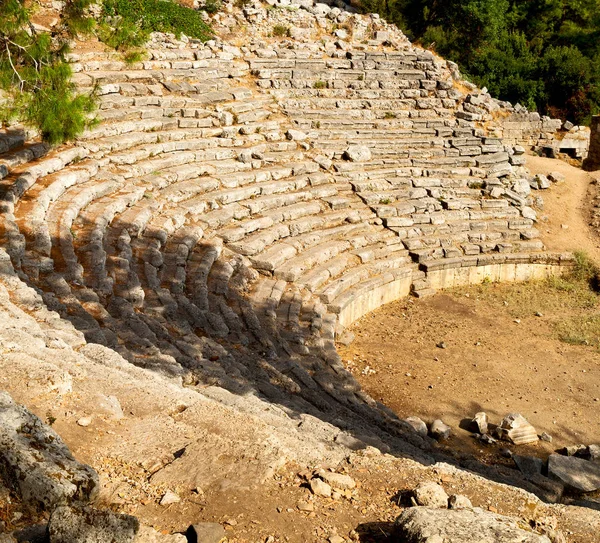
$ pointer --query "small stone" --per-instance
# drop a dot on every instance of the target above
(487, 439)
(169, 497)
(84, 421)
(573, 450)
(542, 181)
(431, 495)
(358, 153)
(546, 437)
(568, 125)
(336, 539)
(441, 345)
(320, 488)
(337, 480)
(529, 213)
(479, 424)
(439, 430)
(419, 426)
(206, 532)
(594, 453)
(556, 177)
(295, 135)
(539, 314)
(458, 501)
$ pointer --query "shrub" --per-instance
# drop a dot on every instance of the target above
(281, 31)
(319, 85)
(128, 23)
(35, 77)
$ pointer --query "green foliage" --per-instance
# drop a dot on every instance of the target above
(128, 23)
(320, 85)
(281, 31)
(35, 77)
(544, 54)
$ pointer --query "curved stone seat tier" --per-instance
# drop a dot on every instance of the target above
(215, 228)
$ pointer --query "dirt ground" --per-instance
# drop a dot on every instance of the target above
(498, 356)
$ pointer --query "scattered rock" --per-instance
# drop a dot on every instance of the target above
(336, 539)
(206, 532)
(150, 535)
(88, 525)
(441, 345)
(419, 426)
(479, 424)
(59, 479)
(169, 498)
(439, 430)
(295, 135)
(431, 495)
(487, 439)
(427, 525)
(575, 473)
(84, 421)
(320, 488)
(556, 177)
(358, 153)
(515, 428)
(529, 213)
(573, 450)
(337, 480)
(458, 501)
(307, 507)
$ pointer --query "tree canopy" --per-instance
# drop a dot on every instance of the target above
(544, 54)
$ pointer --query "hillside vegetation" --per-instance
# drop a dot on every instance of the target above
(544, 54)
(35, 76)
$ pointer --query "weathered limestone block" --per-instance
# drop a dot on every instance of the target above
(88, 525)
(427, 525)
(35, 462)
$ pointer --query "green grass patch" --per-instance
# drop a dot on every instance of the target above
(128, 23)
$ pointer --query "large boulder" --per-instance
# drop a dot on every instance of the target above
(36, 464)
(427, 525)
(88, 525)
(575, 473)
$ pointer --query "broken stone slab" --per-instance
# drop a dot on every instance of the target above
(479, 424)
(575, 473)
(428, 525)
(419, 426)
(515, 428)
(206, 532)
(542, 181)
(337, 480)
(556, 177)
(89, 525)
(320, 488)
(36, 464)
(431, 495)
(529, 466)
(295, 135)
(439, 430)
(357, 153)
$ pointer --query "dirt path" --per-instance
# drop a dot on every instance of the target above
(566, 205)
